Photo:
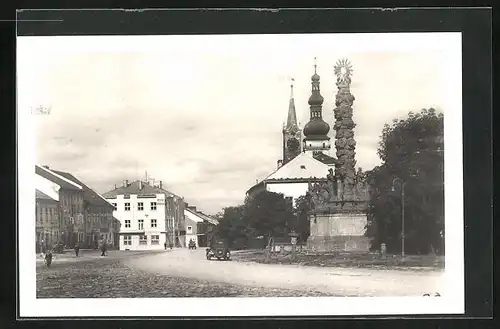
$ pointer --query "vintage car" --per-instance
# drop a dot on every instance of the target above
(218, 250)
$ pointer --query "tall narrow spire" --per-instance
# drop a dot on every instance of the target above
(291, 131)
(291, 121)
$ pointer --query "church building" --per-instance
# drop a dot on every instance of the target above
(304, 152)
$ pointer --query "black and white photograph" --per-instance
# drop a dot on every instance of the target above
(246, 175)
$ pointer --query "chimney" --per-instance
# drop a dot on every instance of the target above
(161, 184)
(125, 183)
(280, 163)
(140, 185)
(193, 208)
(46, 167)
(115, 186)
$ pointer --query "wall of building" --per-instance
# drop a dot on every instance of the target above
(191, 231)
(47, 224)
(100, 226)
(175, 224)
(150, 241)
(73, 219)
(130, 211)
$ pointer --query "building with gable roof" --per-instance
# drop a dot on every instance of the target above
(99, 223)
(83, 215)
(199, 226)
(150, 216)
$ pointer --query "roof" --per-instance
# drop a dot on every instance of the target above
(207, 218)
(53, 176)
(192, 216)
(42, 196)
(326, 159)
(134, 188)
(89, 195)
(197, 216)
(303, 166)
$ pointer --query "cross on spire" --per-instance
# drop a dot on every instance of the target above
(315, 65)
(291, 87)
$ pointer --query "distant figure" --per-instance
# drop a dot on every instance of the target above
(77, 249)
(165, 245)
(48, 258)
(103, 249)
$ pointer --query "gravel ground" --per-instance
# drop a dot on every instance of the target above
(110, 278)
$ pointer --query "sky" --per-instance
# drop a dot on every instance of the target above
(204, 113)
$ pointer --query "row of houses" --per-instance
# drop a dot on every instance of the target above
(137, 215)
(70, 212)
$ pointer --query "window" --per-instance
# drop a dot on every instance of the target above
(127, 223)
(155, 239)
(154, 223)
(153, 205)
(143, 239)
(189, 229)
(140, 206)
(127, 206)
(127, 240)
(141, 224)
(114, 205)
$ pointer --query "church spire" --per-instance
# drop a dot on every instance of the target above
(291, 121)
(291, 132)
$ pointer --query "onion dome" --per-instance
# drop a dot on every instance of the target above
(316, 128)
(316, 99)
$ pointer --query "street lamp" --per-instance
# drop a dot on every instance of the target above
(403, 183)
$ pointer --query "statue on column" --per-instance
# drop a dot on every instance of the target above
(331, 185)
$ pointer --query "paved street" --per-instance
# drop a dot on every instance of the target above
(332, 281)
(187, 273)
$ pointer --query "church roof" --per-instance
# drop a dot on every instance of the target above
(303, 166)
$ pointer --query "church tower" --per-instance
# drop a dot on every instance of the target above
(291, 132)
(316, 130)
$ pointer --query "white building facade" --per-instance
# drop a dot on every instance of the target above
(142, 221)
(146, 214)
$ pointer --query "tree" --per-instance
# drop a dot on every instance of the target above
(411, 150)
(268, 214)
(231, 226)
(302, 214)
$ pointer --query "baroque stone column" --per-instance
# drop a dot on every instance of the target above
(344, 130)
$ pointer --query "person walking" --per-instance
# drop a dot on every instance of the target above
(165, 245)
(48, 258)
(77, 249)
(103, 249)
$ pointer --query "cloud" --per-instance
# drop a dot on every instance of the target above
(206, 118)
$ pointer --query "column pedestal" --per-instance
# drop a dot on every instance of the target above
(338, 232)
